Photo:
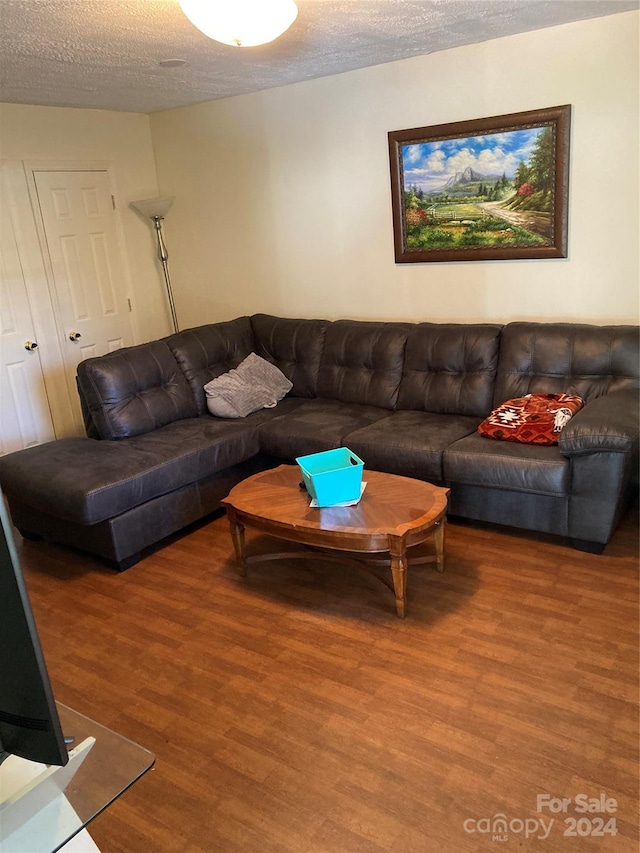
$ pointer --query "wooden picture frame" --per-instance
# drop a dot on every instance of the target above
(482, 190)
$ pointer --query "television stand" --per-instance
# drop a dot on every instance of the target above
(42, 808)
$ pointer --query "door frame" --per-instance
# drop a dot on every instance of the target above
(30, 167)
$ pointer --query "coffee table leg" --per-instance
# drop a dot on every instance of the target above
(439, 537)
(237, 537)
(399, 572)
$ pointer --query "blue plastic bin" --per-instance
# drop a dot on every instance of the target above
(333, 476)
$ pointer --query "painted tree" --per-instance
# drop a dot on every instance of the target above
(542, 161)
(522, 175)
(411, 197)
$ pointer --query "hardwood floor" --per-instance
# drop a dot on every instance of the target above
(293, 712)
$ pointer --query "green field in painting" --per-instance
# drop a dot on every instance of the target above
(470, 228)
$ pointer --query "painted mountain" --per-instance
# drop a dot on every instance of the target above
(466, 183)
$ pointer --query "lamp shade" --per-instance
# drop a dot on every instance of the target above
(153, 206)
(243, 23)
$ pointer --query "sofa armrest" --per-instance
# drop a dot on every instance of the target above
(607, 424)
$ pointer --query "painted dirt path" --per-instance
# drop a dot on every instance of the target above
(538, 223)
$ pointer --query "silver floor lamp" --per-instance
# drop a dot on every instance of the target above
(156, 209)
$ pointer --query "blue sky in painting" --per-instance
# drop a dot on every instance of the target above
(429, 165)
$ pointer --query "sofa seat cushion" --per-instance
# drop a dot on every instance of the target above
(314, 426)
(286, 405)
(86, 480)
(410, 443)
(478, 461)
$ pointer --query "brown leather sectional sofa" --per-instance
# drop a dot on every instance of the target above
(407, 398)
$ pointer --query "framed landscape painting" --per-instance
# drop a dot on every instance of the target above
(489, 189)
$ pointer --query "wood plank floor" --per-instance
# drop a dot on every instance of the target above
(293, 712)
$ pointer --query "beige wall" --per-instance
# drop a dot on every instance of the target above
(283, 202)
(124, 141)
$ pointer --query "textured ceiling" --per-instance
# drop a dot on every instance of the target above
(105, 54)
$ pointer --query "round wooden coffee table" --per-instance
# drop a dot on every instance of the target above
(394, 513)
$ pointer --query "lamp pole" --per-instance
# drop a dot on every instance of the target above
(163, 255)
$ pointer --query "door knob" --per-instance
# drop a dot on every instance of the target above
(30, 345)
(74, 336)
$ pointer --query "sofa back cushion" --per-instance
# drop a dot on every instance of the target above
(208, 351)
(294, 346)
(133, 390)
(566, 358)
(450, 368)
(362, 362)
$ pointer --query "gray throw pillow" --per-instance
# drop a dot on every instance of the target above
(254, 384)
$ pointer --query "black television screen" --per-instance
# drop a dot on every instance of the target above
(29, 722)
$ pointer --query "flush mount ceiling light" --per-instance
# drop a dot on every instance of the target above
(172, 63)
(242, 23)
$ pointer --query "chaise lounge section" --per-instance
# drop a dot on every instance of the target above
(406, 397)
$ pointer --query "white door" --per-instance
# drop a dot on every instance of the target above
(86, 267)
(25, 418)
